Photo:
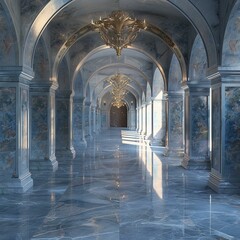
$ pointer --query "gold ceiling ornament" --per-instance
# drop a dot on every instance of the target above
(118, 30)
(119, 84)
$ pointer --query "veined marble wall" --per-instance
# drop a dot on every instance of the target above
(199, 126)
(24, 98)
(78, 125)
(231, 45)
(62, 123)
(39, 120)
(232, 132)
(216, 128)
(7, 130)
(176, 122)
(86, 119)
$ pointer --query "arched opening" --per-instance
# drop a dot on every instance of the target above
(118, 116)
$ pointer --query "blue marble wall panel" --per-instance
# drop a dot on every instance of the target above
(7, 130)
(62, 123)
(198, 61)
(24, 130)
(86, 119)
(216, 129)
(77, 123)
(232, 133)
(29, 10)
(175, 75)
(39, 121)
(8, 41)
(176, 123)
(199, 126)
(231, 45)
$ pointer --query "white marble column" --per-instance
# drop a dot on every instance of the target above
(139, 119)
(149, 113)
(14, 131)
(43, 132)
(144, 120)
(159, 122)
(132, 122)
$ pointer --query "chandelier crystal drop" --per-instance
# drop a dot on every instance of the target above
(119, 84)
(118, 30)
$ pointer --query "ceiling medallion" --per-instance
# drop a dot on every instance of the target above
(118, 30)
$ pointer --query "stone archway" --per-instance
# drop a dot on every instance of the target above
(118, 116)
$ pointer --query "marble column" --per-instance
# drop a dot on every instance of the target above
(14, 130)
(94, 119)
(64, 141)
(79, 140)
(174, 143)
(87, 119)
(144, 120)
(159, 122)
(225, 167)
(196, 154)
(43, 133)
(139, 119)
(149, 113)
(132, 122)
(98, 120)
(104, 118)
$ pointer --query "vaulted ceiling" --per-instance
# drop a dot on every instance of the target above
(52, 36)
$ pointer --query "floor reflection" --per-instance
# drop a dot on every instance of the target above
(119, 190)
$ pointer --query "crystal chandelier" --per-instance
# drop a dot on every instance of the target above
(119, 83)
(118, 30)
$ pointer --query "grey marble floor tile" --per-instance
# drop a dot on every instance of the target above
(117, 191)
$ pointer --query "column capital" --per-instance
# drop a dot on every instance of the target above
(13, 74)
(43, 86)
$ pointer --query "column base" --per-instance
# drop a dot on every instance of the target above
(171, 152)
(220, 185)
(17, 185)
(65, 153)
(157, 143)
(44, 164)
(195, 163)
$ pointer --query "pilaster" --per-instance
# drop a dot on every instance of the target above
(196, 154)
(79, 140)
(159, 121)
(225, 91)
(43, 129)
(14, 131)
(174, 141)
(64, 141)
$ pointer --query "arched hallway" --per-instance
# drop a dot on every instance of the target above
(118, 188)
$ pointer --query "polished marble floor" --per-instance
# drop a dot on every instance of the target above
(115, 189)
